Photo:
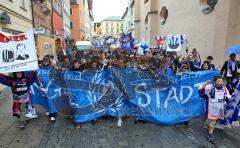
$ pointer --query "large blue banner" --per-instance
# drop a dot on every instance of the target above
(51, 92)
(146, 95)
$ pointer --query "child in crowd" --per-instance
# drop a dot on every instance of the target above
(206, 66)
(47, 65)
(233, 83)
(184, 68)
(20, 90)
(215, 95)
(76, 65)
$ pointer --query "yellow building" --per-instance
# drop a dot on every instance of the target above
(17, 16)
(112, 26)
(210, 30)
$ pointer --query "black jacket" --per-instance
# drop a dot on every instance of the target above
(225, 69)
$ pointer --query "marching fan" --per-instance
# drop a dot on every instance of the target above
(215, 95)
(46, 64)
(20, 90)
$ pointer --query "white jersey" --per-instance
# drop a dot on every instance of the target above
(216, 100)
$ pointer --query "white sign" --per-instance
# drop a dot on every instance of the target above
(39, 30)
(17, 52)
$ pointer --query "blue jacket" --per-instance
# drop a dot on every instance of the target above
(167, 71)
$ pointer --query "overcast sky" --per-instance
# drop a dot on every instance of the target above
(105, 8)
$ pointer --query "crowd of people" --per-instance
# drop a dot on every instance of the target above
(168, 63)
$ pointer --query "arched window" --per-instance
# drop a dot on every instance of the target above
(210, 5)
(163, 15)
(146, 21)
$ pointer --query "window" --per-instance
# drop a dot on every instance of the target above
(71, 25)
(22, 4)
(70, 11)
(111, 30)
(163, 15)
(210, 5)
(146, 20)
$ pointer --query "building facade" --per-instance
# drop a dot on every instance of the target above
(112, 26)
(210, 30)
(57, 22)
(97, 30)
(91, 19)
(16, 16)
(42, 18)
(77, 20)
(66, 22)
(128, 18)
(91, 22)
(82, 21)
(87, 19)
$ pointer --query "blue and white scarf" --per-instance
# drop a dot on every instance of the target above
(232, 108)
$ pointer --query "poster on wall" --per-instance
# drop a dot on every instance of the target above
(17, 52)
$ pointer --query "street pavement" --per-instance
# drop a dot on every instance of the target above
(43, 134)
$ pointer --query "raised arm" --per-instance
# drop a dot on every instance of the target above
(5, 80)
(31, 78)
(201, 90)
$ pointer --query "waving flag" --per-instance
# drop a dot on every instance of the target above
(174, 43)
(127, 41)
(144, 46)
(99, 44)
(160, 41)
(183, 39)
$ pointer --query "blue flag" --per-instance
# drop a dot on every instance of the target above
(127, 41)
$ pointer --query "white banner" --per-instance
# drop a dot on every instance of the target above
(17, 52)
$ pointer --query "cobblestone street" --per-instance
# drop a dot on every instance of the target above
(41, 133)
